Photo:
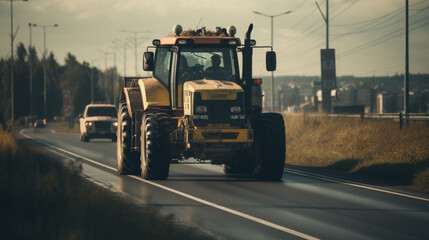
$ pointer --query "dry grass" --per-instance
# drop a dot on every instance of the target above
(42, 199)
(63, 126)
(377, 148)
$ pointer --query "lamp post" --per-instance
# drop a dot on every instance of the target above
(272, 45)
(12, 37)
(92, 80)
(105, 63)
(115, 75)
(31, 71)
(44, 62)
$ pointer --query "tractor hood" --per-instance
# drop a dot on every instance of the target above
(213, 89)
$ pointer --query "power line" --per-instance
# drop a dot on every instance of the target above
(345, 9)
(382, 39)
(366, 21)
(379, 26)
(302, 20)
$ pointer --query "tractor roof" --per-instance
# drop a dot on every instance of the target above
(221, 36)
(197, 40)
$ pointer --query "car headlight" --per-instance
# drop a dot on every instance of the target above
(201, 109)
(115, 124)
(235, 109)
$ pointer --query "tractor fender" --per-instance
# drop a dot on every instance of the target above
(148, 93)
(153, 93)
(134, 100)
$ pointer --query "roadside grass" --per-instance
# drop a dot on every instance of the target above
(63, 126)
(371, 147)
(41, 198)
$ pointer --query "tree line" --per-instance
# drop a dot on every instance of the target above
(73, 76)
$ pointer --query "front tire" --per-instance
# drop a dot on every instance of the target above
(269, 147)
(155, 146)
(85, 138)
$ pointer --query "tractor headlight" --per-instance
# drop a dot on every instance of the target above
(235, 109)
(201, 109)
(115, 124)
(89, 124)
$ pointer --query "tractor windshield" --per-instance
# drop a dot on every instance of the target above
(209, 63)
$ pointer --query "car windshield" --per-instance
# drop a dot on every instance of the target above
(209, 63)
(101, 111)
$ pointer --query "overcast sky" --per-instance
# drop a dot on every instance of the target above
(368, 35)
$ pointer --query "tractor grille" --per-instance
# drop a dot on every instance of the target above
(102, 125)
(219, 111)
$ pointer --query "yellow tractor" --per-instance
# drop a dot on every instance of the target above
(197, 106)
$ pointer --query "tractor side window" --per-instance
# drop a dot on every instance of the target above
(162, 65)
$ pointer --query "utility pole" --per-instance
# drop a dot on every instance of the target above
(272, 46)
(328, 66)
(407, 67)
(118, 42)
(136, 42)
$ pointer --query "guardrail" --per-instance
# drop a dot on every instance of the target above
(400, 117)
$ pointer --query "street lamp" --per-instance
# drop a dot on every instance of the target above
(105, 63)
(12, 37)
(92, 80)
(31, 71)
(272, 45)
(44, 61)
(115, 75)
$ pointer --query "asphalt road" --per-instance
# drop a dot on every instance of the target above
(304, 205)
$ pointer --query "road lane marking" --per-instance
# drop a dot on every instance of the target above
(202, 201)
(353, 184)
(68, 152)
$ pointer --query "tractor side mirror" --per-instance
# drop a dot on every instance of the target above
(148, 61)
(271, 61)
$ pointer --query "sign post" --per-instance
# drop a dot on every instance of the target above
(68, 107)
(329, 77)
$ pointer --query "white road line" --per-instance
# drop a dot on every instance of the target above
(354, 184)
(53, 131)
(214, 205)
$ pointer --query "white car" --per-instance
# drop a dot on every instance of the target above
(98, 121)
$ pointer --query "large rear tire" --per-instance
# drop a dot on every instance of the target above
(155, 146)
(127, 162)
(269, 147)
